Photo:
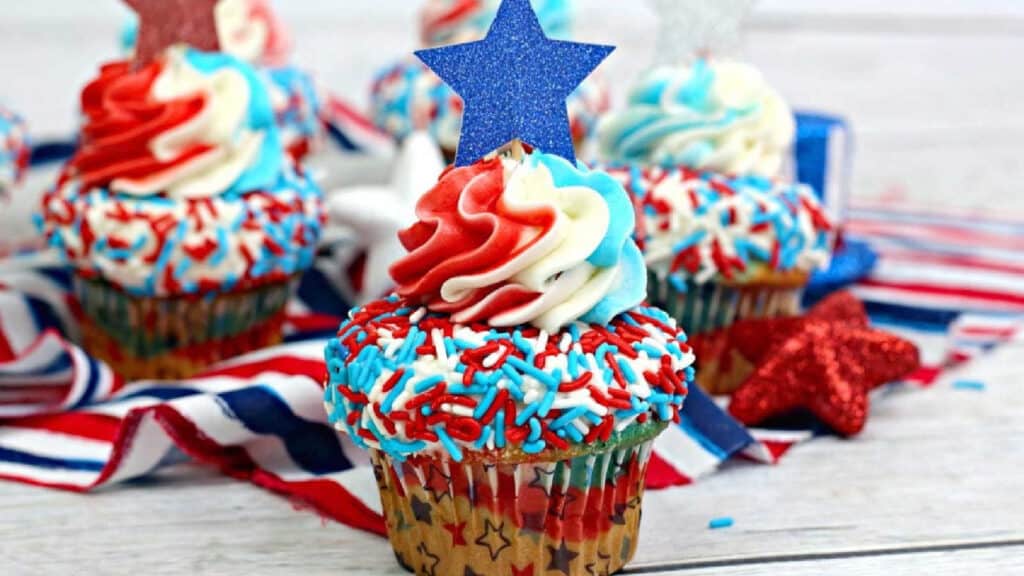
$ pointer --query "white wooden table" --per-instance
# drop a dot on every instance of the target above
(933, 486)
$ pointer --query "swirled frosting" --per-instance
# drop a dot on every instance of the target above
(408, 97)
(190, 125)
(454, 21)
(180, 185)
(716, 115)
(406, 381)
(251, 30)
(14, 150)
(698, 226)
(534, 242)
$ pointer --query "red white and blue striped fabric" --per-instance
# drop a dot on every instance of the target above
(934, 269)
(66, 421)
(354, 132)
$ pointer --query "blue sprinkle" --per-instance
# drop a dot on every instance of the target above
(534, 447)
(531, 370)
(389, 400)
(526, 413)
(677, 283)
(546, 403)
(485, 435)
(574, 434)
(463, 344)
(499, 429)
(534, 430)
(627, 371)
(574, 332)
(512, 375)
(448, 443)
(425, 410)
(573, 364)
(719, 523)
(970, 385)
(569, 417)
(485, 403)
(522, 344)
(649, 350)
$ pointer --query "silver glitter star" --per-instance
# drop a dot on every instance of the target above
(691, 28)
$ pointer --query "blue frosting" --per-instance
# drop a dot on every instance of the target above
(266, 170)
(13, 147)
(617, 247)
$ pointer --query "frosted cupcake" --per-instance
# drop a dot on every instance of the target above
(14, 150)
(700, 149)
(407, 97)
(509, 393)
(183, 218)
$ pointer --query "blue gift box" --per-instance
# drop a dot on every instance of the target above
(824, 159)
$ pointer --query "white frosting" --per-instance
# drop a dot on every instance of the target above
(221, 124)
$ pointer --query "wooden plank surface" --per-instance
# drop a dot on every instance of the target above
(934, 482)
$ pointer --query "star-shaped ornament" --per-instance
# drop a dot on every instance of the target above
(375, 214)
(514, 84)
(692, 28)
(825, 363)
(164, 23)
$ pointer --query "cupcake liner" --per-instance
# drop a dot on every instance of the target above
(572, 516)
(180, 363)
(175, 337)
(706, 310)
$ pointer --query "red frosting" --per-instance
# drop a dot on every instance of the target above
(465, 228)
(432, 20)
(122, 119)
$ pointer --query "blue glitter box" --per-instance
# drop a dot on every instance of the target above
(823, 157)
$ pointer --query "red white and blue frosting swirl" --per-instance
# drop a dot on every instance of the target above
(445, 22)
(180, 184)
(14, 150)
(516, 323)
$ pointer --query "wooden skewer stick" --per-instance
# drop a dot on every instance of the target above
(517, 149)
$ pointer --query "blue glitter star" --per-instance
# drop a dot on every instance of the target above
(514, 83)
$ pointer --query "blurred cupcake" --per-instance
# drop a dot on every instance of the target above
(407, 97)
(700, 149)
(251, 31)
(184, 220)
(14, 150)
(510, 392)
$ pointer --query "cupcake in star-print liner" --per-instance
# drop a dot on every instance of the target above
(700, 150)
(510, 391)
(185, 222)
(407, 97)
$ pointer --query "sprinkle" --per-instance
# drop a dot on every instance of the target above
(448, 444)
(970, 385)
(720, 523)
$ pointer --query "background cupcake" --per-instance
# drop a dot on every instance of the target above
(184, 220)
(407, 97)
(510, 392)
(701, 149)
(14, 150)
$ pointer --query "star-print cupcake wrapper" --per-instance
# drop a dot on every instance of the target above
(570, 517)
(706, 310)
(193, 329)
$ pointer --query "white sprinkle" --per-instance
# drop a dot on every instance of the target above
(458, 410)
(623, 424)
(566, 342)
(491, 360)
(418, 315)
(542, 341)
(437, 337)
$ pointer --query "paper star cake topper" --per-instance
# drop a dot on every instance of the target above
(164, 23)
(514, 84)
(690, 28)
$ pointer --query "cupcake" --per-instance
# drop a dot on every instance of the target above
(251, 31)
(407, 97)
(185, 222)
(700, 150)
(510, 391)
(14, 150)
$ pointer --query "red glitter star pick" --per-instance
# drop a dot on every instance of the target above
(826, 362)
(164, 23)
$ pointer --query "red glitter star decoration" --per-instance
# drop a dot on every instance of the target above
(825, 362)
(164, 23)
